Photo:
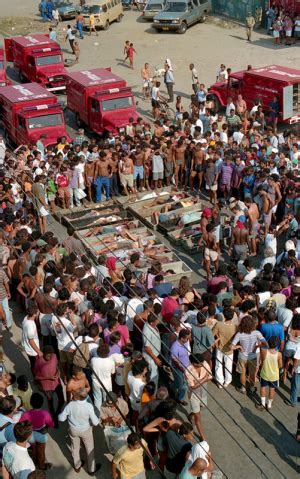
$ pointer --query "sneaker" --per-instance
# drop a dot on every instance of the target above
(225, 385)
(241, 390)
(260, 407)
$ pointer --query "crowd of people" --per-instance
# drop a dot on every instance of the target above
(284, 24)
(112, 347)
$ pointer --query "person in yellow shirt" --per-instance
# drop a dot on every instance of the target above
(23, 391)
(92, 24)
(129, 460)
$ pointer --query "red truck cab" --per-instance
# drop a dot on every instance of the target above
(262, 83)
(38, 59)
(28, 111)
(3, 79)
(100, 100)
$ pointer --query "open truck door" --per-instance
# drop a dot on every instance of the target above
(8, 44)
(291, 103)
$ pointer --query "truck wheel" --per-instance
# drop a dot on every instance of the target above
(183, 28)
(22, 77)
(203, 18)
(106, 27)
(119, 18)
(78, 121)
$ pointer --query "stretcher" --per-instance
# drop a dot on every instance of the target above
(127, 201)
(92, 217)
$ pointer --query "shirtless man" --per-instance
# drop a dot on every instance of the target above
(178, 158)
(47, 306)
(254, 227)
(211, 250)
(145, 74)
(139, 170)
(239, 240)
(102, 174)
(114, 164)
(169, 162)
(88, 174)
(266, 208)
(126, 169)
(197, 167)
(78, 381)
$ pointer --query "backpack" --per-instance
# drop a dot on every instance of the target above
(82, 354)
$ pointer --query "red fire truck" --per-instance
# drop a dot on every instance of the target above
(3, 79)
(38, 59)
(28, 111)
(100, 100)
(262, 83)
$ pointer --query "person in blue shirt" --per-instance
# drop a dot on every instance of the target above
(248, 182)
(43, 8)
(162, 288)
(272, 328)
(50, 8)
(52, 34)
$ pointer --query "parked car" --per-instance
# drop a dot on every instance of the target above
(152, 8)
(66, 9)
(178, 15)
(105, 12)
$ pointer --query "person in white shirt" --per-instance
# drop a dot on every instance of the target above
(64, 331)
(81, 418)
(136, 381)
(103, 367)
(222, 74)
(238, 135)
(152, 346)
(229, 106)
(30, 338)
(71, 37)
(16, 462)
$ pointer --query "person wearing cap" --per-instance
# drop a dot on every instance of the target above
(239, 240)
(250, 23)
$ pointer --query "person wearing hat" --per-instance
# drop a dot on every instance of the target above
(239, 240)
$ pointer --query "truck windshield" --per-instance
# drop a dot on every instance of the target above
(176, 7)
(116, 103)
(153, 6)
(95, 9)
(48, 60)
(45, 121)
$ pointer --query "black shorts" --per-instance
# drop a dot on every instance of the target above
(198, 168)
(154, 103)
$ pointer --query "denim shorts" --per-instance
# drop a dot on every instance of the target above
(38, 437)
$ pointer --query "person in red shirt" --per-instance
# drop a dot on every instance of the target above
(47, 375)
(130, 53)
(169, 305)
(41, 420)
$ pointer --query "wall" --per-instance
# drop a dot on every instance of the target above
(237, 8)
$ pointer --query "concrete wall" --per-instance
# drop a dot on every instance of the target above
(237, 9)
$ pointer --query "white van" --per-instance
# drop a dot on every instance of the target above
(105, 12)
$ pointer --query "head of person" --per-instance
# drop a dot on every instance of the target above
(36, 401)
(77, 373)
(103, 350)
(7, 405)
(184, 336)
(133, 441)
(80, 395)
(198, 467)
(22, 382)
(48, 352)
(23, 431)
(197, 360)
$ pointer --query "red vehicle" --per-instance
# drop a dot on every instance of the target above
(3, 80)
(262, 83)
(100, 100)
(29, 111)
(38, 59)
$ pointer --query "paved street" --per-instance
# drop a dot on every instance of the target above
(245, 443)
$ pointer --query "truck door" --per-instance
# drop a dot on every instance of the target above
(234, 88)
(95, 115)
(31, 68)
(192, 13)
(8, 44)
(287, 102)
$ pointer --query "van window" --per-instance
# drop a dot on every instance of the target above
(95, 106)
(191, 6)
(196, 4)
(176, 7)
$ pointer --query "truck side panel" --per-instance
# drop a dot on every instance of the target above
(77, 100)
(263, 88)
